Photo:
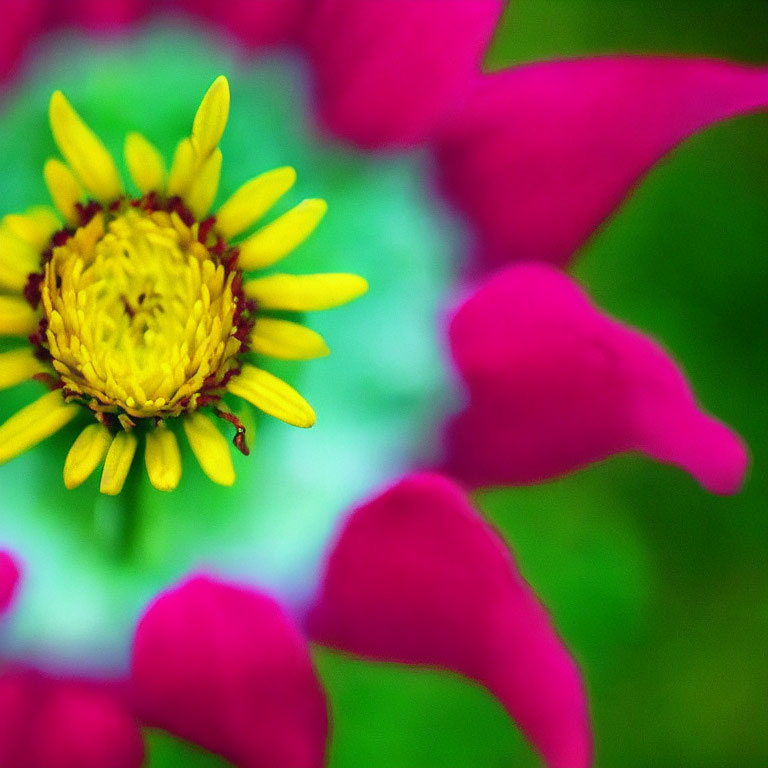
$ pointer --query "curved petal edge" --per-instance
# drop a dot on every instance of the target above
(223, 667)
(540, 155)
(553, 385)
(416, 576)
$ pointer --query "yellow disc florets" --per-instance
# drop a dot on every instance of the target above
(139, 307)
(142, 319)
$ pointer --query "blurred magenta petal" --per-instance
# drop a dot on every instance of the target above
(387, 69)
(418, 577)
(20, 20)
(48, 723)
(252, 22)
(224, 668)
(101, 15)
(540, 155)
(554, 384)
(9, 580)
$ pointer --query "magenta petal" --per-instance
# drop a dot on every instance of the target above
(101, 15)
(9, 580)
(224, 668)
(387, 69)
(418, 577)
(48, 723)
(554, 384)
(19, 20)
(540, 155)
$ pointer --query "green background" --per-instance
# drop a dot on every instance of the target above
(659, 589)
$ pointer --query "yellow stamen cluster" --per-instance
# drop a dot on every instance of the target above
(140, 316)
(139, 308)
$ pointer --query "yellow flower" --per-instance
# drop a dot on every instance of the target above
(138, 310)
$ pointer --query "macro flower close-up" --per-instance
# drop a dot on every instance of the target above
(145, 310)
(501, 263)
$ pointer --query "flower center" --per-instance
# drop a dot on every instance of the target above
(143, 315)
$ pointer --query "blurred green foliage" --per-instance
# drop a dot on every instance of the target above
(544, 29)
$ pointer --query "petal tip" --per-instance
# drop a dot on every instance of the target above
(227, 481)
(57, 101)
(720, 461)
(358, 286)
(221, 82)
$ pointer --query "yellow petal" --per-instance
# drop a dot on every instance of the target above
(64, 188)
(163, 458)
(17, 318)
(83, 150)
(17, 259)
(17, 366)
(86, 453)
(34, 423)
(211, 118)
(145, 164)
(201, 193)
(118, 463)
(253, 200)
(301, 293)
(273, 396)
(286, 340)
(35, 227)
(210, 448)
(278, 238)
(182, 168)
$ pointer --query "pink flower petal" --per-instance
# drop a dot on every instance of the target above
(540, 155)
(20, 20)
(47, 723)
(387, 69)
(417, 577)
(224, 668)
(554, 385)
(9, 580)
(252, 22)
(101, 15)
